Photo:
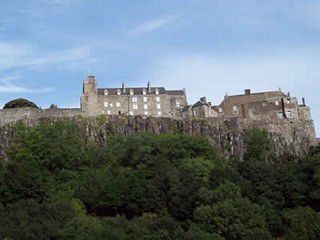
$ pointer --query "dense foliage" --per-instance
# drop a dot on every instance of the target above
(20, 103)
(57, 186)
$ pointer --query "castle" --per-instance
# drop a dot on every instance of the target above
(159, 102)
(147, 101)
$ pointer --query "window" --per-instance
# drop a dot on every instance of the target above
(289, 114)
(145, 106)
(288, 101)
(159, 113)
(146, 113)
(157, 91)
(158, 99)
(277, 103)
(145, 99)
(131, 113)
(102, 112)
(220, 109)
(134, 99)
(105, 104)
(177, 104)
(118, 104)
(111, 105)
(108, 112)
(118, 92)
(158, 106)
(135, 106)
(279, 115)
(144, 92)
(105, 92)
(131, 92)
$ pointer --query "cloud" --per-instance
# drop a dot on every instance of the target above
(20, 89)
(7, 86)
(24, 55)
(213, 75)
(153, 25)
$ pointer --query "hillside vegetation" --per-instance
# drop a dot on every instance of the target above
(139, 187)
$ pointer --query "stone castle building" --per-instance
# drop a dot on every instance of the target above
(144, 101)
(159, 102)
(263, 109)
(271, 105)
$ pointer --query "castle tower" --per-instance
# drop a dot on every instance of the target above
(89, 97)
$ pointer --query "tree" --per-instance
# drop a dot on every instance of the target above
(258, 145)
(234, 219)
(302, 223)
(20, 103)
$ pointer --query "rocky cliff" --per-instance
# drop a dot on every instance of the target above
(225, 136)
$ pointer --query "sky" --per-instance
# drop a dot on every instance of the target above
(209, 47)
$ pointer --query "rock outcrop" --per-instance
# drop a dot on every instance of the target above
(225, 136)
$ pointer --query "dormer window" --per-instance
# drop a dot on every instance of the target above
(105, 92)
(131, 92)
(118, 92)
(157, 91)
(144, 92)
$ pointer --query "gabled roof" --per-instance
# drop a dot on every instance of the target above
(200, 103)
(255, 97)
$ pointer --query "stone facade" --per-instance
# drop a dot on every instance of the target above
(148, 101)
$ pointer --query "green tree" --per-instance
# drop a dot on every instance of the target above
(234, 219)
(20, 103)
(302, 223)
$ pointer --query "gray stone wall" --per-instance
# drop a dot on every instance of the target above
(8, 116)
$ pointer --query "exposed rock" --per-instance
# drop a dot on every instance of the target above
(225, 136)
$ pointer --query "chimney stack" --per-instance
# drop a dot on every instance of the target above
(303, 102)
(203, 99)
(148, 86)
(247, 91)
(123, 88)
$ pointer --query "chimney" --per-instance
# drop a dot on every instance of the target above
(90, 78)
(148, 86)
(123, 88)
(203, 99)
(247, 91)
(303, 102)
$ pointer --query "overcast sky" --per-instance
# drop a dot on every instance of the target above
(47, 47)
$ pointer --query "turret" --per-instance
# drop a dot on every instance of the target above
(89, 98)
(89, 85)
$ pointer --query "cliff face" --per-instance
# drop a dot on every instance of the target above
(225, 136)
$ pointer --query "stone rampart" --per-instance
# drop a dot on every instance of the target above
(8, 116)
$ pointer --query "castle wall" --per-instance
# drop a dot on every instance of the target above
(8, 116)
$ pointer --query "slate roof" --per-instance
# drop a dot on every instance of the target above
(139, 91)
(198, 104)
(255, 97)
